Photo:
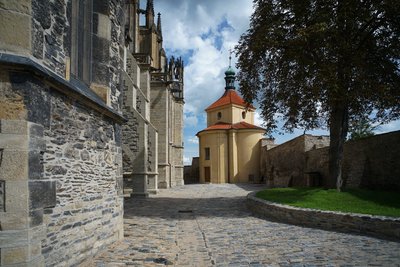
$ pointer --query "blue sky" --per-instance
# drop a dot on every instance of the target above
(203, 32)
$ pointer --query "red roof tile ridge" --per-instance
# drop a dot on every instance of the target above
(227, 126)
(229, 97)
(245, 125)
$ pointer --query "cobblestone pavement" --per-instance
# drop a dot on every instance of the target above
(209, 225)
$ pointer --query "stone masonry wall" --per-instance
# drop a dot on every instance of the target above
(177, 149)
(281, 172)
(24, 193)
(112, 13)
(16, 11)
(139, 135)
(71, 161)
(160, 119)
(192, 172)
(371, 162)
(82, 157)
(152, 159)
(51, 34)
(130, 128)
(283, 165)
(51, 42)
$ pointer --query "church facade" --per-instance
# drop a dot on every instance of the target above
(230, 146)
(153, 147)
(166, 101)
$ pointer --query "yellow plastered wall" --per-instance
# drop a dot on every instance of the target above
(248, 151)
(229, 114)
(212, 116)
(235, 150)
(233, 156)
(217, 141)
(237, 115)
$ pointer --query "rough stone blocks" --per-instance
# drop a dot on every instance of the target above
(16, 36)
(20, 6)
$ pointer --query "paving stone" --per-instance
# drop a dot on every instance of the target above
(220, 231)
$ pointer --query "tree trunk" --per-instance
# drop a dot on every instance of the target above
(339, 117)
(339, 121)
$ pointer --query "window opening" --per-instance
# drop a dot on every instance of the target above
(207, 153)
(81, 40)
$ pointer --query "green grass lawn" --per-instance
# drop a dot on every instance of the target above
(350, 200)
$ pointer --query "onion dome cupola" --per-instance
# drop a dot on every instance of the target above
(230, 75)
(230, 78)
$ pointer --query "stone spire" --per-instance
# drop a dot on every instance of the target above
(150, 6)
(159, 29)
(230, 75)
(149, 13)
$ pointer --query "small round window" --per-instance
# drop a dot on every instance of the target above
(244, 114)
(219, 115)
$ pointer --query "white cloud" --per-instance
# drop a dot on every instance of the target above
(193, 140)
(191, 25)
(187, 160)
(202, 32)
(190, 120)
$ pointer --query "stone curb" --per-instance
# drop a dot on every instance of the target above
(376, 226)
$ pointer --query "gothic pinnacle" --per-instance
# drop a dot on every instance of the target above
(150, 6)
(159, 24)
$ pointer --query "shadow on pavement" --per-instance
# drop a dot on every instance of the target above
(187, 207)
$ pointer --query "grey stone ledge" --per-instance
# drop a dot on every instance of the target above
(371, 225)
(74, 87)
(145, 173)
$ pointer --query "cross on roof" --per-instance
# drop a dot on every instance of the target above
(230, 56)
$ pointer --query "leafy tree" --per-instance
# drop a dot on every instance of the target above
(316, 63)
(361, 129)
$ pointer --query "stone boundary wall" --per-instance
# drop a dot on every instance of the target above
(283, 165)
(376, 226)
(371, 162)
(192, 172)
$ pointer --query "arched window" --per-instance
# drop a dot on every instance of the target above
(244, 114)
(219, 115)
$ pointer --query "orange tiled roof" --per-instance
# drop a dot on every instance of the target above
(229, 97)
(228, 126)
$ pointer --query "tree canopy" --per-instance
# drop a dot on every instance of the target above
(361, 129)
(315, 63)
